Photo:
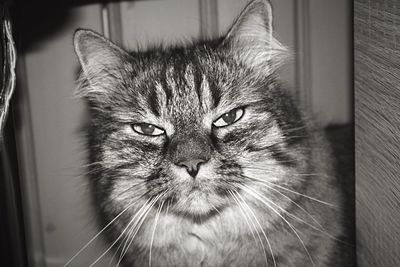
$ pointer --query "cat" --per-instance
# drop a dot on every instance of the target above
(200, 157)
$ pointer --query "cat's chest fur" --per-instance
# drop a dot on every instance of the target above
(196, 234)
(178, 241)
(223, 240)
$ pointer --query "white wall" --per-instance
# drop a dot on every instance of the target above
(331, 60)
(51, 67)
(155, 22)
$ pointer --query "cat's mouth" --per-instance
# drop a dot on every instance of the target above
(197, 201)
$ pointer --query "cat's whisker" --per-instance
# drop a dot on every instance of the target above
(139, 225)
(130, 235)
(135, 229)
(138, 198)
(294, 203)
(294, 137)
(256, 195)
(269, 170)
(94, 163)
(293, 129)
(104, 163)
(154, 229)
(242, 211)
(259, 224)
(113, 244)
(99, 233)
(215, 208)
(130, 225)
(274, 163)
(168, 205)
(133, 186)
(251, 226)
(294, 192)
(320, 228)
(138, 212)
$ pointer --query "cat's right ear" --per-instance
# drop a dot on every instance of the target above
(95, 52)
(251, 37)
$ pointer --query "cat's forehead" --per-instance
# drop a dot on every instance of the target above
(195, 79)
(182, 93)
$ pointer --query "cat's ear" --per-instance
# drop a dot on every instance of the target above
(95, 51)
(101, 60)
(251, 37)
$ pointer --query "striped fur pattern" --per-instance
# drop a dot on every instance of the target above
(262, 195)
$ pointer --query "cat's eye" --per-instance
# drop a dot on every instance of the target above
(229, 118)
(147, 129)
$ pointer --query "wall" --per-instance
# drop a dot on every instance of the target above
(331, 60)
(64, 222)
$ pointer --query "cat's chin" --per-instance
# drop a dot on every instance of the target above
(198, 205)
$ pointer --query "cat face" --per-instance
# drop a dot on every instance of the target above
(190, 127)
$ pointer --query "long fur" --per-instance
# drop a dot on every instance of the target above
(264, 194)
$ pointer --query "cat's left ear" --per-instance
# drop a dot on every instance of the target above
(250, 37)
(102, 63)
(95, 51)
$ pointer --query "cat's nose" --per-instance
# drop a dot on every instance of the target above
(192, 166)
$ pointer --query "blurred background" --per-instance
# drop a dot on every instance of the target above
(55, 206)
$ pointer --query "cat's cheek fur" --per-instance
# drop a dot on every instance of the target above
(263, 171)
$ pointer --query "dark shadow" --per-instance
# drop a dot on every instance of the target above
(37, 20)
(341, 138)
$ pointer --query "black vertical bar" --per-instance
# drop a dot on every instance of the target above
(12, 239)
(12, 247)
